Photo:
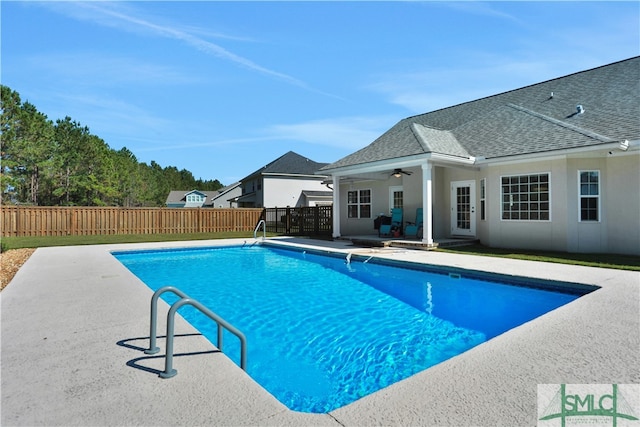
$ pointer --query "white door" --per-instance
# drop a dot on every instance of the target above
(463, 208)
(395, 197)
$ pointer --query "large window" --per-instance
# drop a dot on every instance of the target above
(589, 182)
(359, 203)
(526, 197)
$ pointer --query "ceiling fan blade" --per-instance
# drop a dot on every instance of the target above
(398, 172)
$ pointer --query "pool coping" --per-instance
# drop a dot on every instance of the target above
(75, 323)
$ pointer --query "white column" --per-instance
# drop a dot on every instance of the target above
(336, 206)
(427, 204)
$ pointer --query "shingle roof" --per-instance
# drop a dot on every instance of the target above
(177, 196)
(225, 189)
(538, 118)
(291, 164)
(316, 193)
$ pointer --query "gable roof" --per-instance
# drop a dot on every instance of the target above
(289, 164)
(539, 118)
(224, 190)
(180, 196)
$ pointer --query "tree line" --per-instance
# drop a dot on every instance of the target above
(61, 163)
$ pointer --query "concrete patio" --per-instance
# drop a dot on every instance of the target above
(75, 323)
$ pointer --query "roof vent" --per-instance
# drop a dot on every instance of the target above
(551, 96)
(580, 109)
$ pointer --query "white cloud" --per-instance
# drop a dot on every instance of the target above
(435, 88)
(347, 133)
(484, 75)
(117, 15)
(104, 70)
(236, 142)
(344, 133)
(477, 8)
(108, 117)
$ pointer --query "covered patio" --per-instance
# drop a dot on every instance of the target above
(437, 195)
(373, 240)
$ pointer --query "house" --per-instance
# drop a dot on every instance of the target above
(289, 180)
(550, 166)
(222, 198)
(189, 199)
(227, 197)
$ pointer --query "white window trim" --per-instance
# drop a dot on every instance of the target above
(370, 204)
(537, 221)
(194, 198)
(580, 196)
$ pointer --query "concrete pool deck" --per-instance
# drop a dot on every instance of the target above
(75, 323)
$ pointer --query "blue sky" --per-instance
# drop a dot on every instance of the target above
(223, 88)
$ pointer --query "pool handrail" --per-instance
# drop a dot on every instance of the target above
(153, 348)
(264, 229)
(184, 300)
(168, 361)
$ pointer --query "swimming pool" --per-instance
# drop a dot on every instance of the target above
(324, 331)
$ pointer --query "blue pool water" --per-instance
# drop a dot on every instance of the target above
(323, 332)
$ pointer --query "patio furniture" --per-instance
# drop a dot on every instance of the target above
(412, 229)
(395, 228)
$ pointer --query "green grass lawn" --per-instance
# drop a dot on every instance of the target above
(622, 262)
(9, 243)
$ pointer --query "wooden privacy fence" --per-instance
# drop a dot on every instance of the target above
(84, 221)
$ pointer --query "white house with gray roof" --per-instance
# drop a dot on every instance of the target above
(551, 166)
(227, 196)
(290, 180)
(222, 198)
(189, 199)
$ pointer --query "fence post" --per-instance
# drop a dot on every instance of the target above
(288, 220)
(18, 221)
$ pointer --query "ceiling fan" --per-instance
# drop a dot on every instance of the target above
(398, 173)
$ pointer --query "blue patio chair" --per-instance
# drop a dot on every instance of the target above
(396, 223)
(413, 228)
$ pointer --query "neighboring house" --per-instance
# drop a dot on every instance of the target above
(189, 199)
(290, 180)
(554, 166)
(227, 197)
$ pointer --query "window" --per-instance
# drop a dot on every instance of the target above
(396, 197)
(526, 197)
(359, 204)
(483, 182)
(589, 182)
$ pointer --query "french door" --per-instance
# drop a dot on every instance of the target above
(463, 208)
(396, 197)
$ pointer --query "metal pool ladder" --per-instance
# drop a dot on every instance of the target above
(264, 229)
(186, 300)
